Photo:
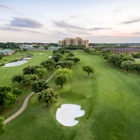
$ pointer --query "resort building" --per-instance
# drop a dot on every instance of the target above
(7, 52)
(122, 50)
(73, 41)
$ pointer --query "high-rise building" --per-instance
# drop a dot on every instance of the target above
(73, 41)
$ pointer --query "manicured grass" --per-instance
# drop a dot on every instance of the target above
(137, 61)
(6, 74)
(110, 97)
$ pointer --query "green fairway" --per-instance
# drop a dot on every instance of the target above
(110, 98)
(6, 74)
(137, 61)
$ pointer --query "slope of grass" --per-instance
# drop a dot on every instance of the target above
(110, 98)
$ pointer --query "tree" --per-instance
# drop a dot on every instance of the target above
(9, 99)
(39, 85)
(71, 54)
(87, 50)
(48, 63)
(61, 79)
(125, 58)
(6, 97)
(88, 69)
(76, 60)
(40, 72)
(30, 69)
(48, 96)
(2, 127)
(1, 56)
(28, 79)
(113, 58)
(127, 64)
(65, 64)
(136, 67)
(64, 71)
(17, 91)
(18, 78)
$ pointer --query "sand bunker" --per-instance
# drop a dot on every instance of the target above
(40, 53)
(49, 56)
(67, 113)
(17, 63)
(27, 58)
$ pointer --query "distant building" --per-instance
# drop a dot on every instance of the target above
(28, 47)
(41, 48)
(122, 50)
(7, 52)
(54, 48)
(73, 41)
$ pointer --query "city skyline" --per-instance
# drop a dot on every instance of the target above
(102, 21)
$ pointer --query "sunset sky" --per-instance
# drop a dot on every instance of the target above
(99, 21)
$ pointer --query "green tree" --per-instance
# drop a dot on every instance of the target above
(76, 60)
(1, 56)
(87, 50)
(136, 67)
(2, 126)
(48, 63)
(39, 85)
(18, 78)
(127, 64)
(6, 97)
(31, 69)
(28, 79)
(61, 79)
(64, 71)
(88, 69)
(40, 72)
(9, 99)
(17, 91)
(125, 58)
(65, 64)
(113, 58)
(48, 96)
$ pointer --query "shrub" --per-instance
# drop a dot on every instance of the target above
(17, 91)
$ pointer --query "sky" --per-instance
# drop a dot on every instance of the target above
(47, 21)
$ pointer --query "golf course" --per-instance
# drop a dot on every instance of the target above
(110, 98)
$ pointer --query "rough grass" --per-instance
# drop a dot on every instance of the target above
(110, 97)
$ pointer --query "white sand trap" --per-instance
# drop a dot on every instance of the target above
(67, 113)
(40, 53)
(18, 63)
(27, 58)
(49, 56)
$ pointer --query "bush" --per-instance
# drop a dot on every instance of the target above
(17, 91)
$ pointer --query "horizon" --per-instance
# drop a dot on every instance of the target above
(49, 21)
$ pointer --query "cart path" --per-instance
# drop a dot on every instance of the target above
(24, 105)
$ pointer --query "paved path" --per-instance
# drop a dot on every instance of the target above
(24, 104)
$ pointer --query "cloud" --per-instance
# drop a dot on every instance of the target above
(136, 33)
(6, 7)
(99, 28)
(132, 21)
(63, 24)
(73, 16)
(25, 22)
(79, 32)
(16, 29)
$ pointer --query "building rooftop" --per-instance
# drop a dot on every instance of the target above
(6, 50)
